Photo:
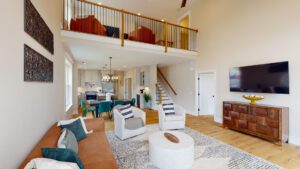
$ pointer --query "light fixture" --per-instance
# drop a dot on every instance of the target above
(109, 77)
(99, 3)
(162, 20)
(139, 14)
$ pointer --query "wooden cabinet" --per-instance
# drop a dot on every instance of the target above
(264, 121)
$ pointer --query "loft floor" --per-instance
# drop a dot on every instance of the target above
(95, 50)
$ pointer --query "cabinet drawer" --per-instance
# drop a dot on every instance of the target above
(258, 111)
(242, 124)
(226, 113)
(240, 108)
(227, 121)
(272, 123)
(261, 120)
(252, 126)
(273, 113)
(251, 118)
(268, 131)
(234, 114)
(227, 106)
(265, 130)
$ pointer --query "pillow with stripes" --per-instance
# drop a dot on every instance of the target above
(126, 111)
(168, 108)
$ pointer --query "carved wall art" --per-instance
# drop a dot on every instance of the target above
(37, 68)
(37, 28)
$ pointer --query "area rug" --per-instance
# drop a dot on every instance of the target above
(209, 153)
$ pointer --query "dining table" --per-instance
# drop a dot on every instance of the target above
(95, 103)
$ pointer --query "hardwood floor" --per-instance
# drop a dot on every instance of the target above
(287, 156)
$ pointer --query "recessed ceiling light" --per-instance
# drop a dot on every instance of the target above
(162, 20)
(99, 3)
(125, 66)
(139, 14)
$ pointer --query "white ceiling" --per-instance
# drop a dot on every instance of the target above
(95, 52)
(159, 9)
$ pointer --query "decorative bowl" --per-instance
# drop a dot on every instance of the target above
(253, 98)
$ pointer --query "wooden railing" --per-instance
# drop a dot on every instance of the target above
(88, 17)
(167, 82)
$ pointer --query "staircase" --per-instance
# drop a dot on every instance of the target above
(162, 95)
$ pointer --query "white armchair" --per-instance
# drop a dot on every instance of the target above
(171, 122)
(119, 121)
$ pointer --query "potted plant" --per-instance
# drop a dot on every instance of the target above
(147, 98)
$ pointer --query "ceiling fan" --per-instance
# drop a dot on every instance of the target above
(183, 3)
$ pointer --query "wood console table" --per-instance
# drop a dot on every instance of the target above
(264, 121)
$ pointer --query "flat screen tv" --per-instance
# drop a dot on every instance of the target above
(266, 78)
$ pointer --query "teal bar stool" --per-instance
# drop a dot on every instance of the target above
(133, 100)
(86, 109)
(104, 107)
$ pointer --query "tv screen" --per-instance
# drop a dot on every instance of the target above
(266, 78)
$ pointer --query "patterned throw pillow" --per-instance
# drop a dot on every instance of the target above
(60, 154)
(67, 140)
(126, 111)
(77, 129)
(168, 108)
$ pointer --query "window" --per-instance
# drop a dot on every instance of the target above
(68, 84)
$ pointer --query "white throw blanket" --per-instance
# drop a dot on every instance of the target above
(44, 163)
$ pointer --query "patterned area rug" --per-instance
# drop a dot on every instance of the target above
(209, 153)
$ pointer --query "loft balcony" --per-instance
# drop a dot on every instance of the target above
(112, 26)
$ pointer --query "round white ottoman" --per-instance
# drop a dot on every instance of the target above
(165, 155)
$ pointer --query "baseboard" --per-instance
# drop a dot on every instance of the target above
(294, 140)
(218, 120)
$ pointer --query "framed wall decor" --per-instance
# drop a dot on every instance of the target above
(37, 68)
(36, 27)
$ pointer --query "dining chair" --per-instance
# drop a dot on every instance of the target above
(86, 109)
(104, 107)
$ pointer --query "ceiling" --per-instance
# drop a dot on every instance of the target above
(94, 54)
(159, 9)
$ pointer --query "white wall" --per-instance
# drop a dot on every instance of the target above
(28, 109)
(182, 78)
(150, 81)
(238, 33)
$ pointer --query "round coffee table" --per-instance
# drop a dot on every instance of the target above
(165, 154)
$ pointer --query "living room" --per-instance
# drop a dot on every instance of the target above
(231, 35)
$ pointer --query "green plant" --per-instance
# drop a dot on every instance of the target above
(147, 97)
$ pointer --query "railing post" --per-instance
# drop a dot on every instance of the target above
(123, 27)
(166, 37)
(160, 97)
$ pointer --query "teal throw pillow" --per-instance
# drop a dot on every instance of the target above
(77, 129)
(60, 154)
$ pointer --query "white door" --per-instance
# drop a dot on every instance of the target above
(206, 95)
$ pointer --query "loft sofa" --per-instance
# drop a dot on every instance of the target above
(94, 151)
(142, 34)
(90, 24)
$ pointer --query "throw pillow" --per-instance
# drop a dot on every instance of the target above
(64, 122)
(126, 111)
(45, 163)
(168, 108)
(77, 129)
(68, 140)
(65, 155)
